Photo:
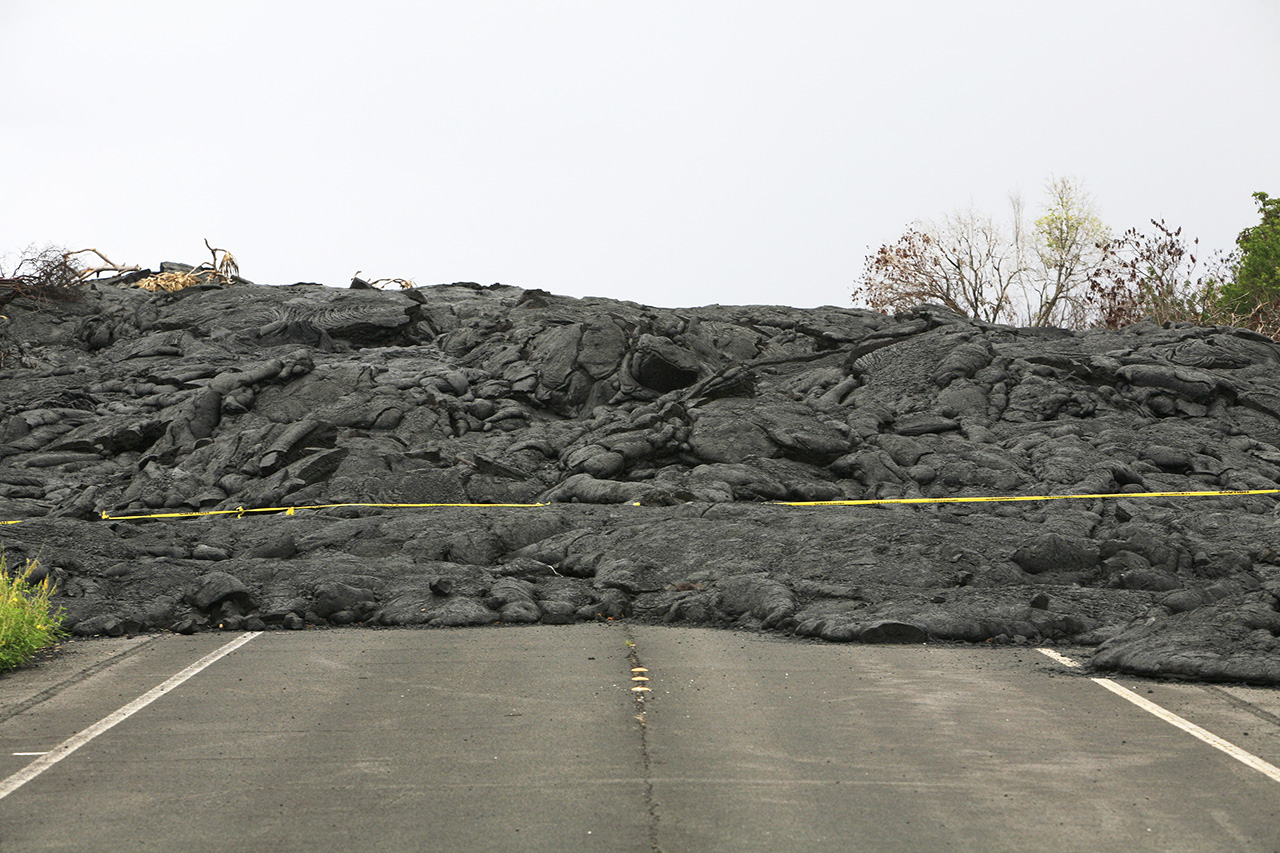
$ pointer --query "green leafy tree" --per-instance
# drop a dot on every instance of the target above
(1256, 289)
(1069, 237)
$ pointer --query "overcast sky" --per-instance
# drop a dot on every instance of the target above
(673, 153)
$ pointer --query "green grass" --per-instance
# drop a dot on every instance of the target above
(28, 622)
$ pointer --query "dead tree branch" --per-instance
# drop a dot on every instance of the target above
(107, 266)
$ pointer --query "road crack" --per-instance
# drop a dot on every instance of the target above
(640, 681)
(1243, 704)
(74, 679)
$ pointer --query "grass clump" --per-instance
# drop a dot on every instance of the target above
(28, 620)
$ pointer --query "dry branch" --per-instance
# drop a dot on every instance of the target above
(225, 267)
(403, 283)
(108, 265)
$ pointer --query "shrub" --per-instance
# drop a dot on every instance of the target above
(28, 621)
(1256, 289)
(51, 273)
(54, 273)
(1157, 276)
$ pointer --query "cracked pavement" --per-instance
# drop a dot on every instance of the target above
(534, 739)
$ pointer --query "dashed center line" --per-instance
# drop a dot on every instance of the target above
(640, 687)
(1242, 755)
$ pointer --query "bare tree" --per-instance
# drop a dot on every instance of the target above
(964, 262)
(1030, 274)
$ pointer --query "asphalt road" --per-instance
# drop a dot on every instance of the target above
(533, 739)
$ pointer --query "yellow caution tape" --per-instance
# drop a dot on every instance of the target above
(240, 512)
(1009, 498)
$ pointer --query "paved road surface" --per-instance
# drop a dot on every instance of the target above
(533, 739)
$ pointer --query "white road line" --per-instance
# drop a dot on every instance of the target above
(1243, 756)
(1060, 658)
(71, 744)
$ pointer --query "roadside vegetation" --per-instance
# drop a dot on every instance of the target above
(1066, 268)
(28, 620)
(56, 273)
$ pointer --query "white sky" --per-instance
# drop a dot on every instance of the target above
(674, 153)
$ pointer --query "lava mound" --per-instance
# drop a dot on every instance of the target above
(642, 463)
